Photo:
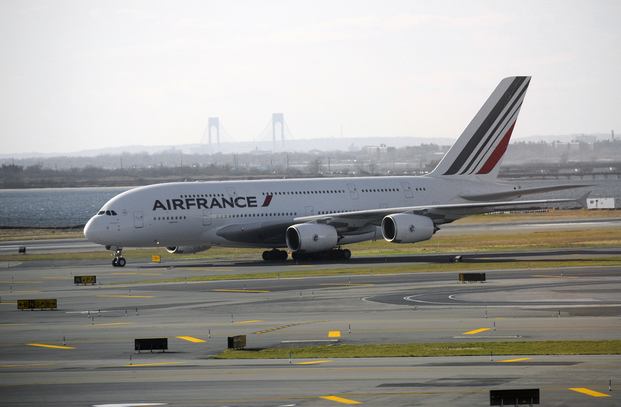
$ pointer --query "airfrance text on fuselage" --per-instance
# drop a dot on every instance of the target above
(206, 203)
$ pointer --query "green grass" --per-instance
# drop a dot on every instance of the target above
(564, 347)
(399, 269)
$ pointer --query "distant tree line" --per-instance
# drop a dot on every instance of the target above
(168, 166)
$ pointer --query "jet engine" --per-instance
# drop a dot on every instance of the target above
(311, 237)
(407, 228)
(186, 249)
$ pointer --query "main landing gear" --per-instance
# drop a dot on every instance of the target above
(334, 254)
(119, 260)
(275, 255)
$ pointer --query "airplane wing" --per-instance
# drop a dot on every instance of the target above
(438, 213)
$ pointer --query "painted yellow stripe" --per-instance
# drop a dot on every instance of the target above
(476, 331)
(191, 339)
(113, 324)
(20, 292)
(125, 296)
(45, 345)
(340, 399)
(152, 364)
(588, 392)
(25, 365)
(334, 334)
(250, 321)
(231, 290)
(313, 362)
(513, 360)
(20, 282)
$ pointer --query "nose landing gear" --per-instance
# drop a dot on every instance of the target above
(119, 260)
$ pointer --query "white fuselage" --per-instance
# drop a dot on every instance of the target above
(208, 213)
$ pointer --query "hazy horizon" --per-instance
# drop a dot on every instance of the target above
(80, 75)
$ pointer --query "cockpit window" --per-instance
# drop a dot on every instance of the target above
(107, 213)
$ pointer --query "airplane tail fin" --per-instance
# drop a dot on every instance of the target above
(480, 148)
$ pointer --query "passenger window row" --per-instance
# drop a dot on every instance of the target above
(330, 191)
(327, 212)
(169, 217)
(381, 190)
(200, 195)
(255, 215)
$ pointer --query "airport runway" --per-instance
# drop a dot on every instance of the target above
(82, 354)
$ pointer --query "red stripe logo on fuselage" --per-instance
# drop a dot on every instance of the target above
(267, 201)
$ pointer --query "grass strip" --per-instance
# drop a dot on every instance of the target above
(568, 347)
(399, 269)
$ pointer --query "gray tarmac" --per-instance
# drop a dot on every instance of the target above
(82, 354)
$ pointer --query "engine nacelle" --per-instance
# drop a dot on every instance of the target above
(311, 237)
(407, 228)
(186, 249)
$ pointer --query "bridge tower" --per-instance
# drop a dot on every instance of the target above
(213, 126)
(278, 123)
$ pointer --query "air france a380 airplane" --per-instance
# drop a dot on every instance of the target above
(314, 217)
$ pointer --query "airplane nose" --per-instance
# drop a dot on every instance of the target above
(89, 230)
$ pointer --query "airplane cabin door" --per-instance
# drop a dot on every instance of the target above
(309, 211)
(353, 191)
(138, 219)
(407, 190)
(206, 217)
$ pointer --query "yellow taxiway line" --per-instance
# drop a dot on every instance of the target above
(25, 365)
(112, 324)
(588, 392)
(191, 339)
(250, 321)
(340, 400)
(513, 360)
(313, 362)
(45, 345)
(476, 331)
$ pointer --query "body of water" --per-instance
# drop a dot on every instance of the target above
(66, 207)
(52, 207)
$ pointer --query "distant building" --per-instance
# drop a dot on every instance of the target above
(600, 203)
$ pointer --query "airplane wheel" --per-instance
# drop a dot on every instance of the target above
(275, 255)
(121, 262)
(346, 254)
(115, 263)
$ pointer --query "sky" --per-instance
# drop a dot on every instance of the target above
(82, 74)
